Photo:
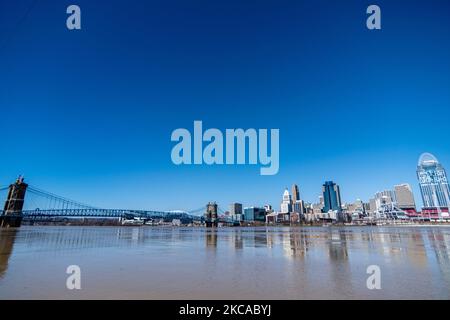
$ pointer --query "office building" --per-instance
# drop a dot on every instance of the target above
(331, 197)
(433, 182)
(236, 211)
(404, 197)
(295, 193)
(286, 203)
(254, 214)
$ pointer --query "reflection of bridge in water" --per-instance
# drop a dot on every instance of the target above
(46, 205)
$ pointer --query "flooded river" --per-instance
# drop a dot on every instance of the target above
(227, 263)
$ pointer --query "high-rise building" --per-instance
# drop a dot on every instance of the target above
(236, 211)
(254, 214)
(298, 207)
(235, 208)
(388, 194)
(321, 201)
(433, 182)
(295, 193)
(385, 196)
(331, 197)
(404, 197)
(372, 205)
(286, 203)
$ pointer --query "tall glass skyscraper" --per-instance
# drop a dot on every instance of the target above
(331, 196)
(295, 193)
(433, 182)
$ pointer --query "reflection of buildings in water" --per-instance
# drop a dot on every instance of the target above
(381, 237)
(143, 234)
(270, 238)
(260, 239)
(348, 235)
(286, 242)
(337, 245)
(135, 234)
(366, 237)
(415, 251)
(298, 242)
(211, 238)
(398, 245)
(237, 239)
(210, 263)
(249, 238)
(366, 240)
(7, 238)
(340, 271)
(395, 237)
(401, 246)
(295, 243)
(385, 246)
(440, 244)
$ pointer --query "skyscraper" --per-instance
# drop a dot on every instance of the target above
(286, 203)
(331, 196)
(236, 211)
(295, 193)
(372, 205)
(433, 182)
(405, 197)
(298, 206)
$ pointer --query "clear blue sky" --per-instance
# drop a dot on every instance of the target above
(88, 114)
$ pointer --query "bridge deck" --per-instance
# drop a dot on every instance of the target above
(100, 213)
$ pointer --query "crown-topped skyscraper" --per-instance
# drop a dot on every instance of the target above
(433, 183)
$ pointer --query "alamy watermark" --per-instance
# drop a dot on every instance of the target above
(74, 280)
(231, 150)
(373, 282)
(373, 22)
(73, 22)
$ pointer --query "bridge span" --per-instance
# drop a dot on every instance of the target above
(59, 207)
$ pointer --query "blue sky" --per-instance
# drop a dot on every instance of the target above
(88, 114)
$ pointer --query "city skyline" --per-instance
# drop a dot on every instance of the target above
(289, 198)
(89, 113)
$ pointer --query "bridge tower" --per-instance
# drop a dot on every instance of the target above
(211, 215)
(12, 214)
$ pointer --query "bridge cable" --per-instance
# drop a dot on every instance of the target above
(199, 210)
(58, 199)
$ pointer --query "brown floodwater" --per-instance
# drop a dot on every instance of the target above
(227, 263)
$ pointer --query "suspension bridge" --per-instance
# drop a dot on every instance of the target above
(40, 205)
